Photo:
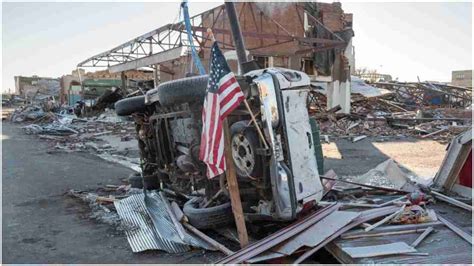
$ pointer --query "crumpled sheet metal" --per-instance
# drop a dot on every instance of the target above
(159, 215)
(150, 227)
(139, 227)
(387, 174)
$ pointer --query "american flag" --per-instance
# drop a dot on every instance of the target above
(223, 96)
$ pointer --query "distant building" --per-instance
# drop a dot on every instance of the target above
(96, 83)
(462, 78)
(372, 77)
(34, 86)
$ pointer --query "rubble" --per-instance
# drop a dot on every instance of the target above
(388, 114)
(107, 135)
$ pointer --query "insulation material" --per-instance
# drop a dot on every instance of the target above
(387, 174)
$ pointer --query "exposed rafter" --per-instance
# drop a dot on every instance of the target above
(155, 44)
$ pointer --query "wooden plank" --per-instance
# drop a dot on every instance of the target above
(384, 220)
(452, 201)
(392, 201)
(434, 133)
(392, 228)
(422, 237)
(456, 230)
(402, 232)
(379, 250)
(209, 240)
(234, 189)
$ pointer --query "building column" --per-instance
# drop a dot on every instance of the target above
(124, 80)
(339, 90)
(156, 75)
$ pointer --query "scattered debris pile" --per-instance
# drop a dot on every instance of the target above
(374, 221)
(382, 216)
(429, 110)
(107, 135)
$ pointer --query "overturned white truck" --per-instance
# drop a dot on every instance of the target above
(276, 183)
(277, 173)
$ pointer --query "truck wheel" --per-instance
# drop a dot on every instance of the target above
(130, 105)
(244, 144)
(151, 182)
(135, 180)
(206, 218)
(184, 90)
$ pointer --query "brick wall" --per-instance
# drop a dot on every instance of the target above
(263, 18)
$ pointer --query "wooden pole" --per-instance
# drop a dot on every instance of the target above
(232, 180)
(234, 188)
(260, 134)
(209, 240)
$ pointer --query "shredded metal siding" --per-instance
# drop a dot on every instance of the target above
(139, 228)
(148, 225)
(159, 215)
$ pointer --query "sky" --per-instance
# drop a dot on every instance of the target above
(405, 40)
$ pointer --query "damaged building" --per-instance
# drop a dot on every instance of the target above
(36, 88)
(89, 86)
(311, 37)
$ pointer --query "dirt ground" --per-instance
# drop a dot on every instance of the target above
(423, 157)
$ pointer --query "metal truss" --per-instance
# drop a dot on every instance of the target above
(422, 93)
(172, 36)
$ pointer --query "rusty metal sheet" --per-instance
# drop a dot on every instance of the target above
(317, 232)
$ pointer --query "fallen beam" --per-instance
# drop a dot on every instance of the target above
(209, 240)
(422, 237)
(383, 234)
(452, 201)
(456, 230)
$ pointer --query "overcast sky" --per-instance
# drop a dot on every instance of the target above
(405, 40)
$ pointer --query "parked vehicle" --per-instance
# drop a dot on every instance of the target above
(275, 183)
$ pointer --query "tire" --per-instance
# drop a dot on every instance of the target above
(244, 142)
(151, 182)
(206, 218)
(135, 180)
(130, 105)
(184, 90)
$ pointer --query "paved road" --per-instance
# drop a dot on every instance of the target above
(41, 225)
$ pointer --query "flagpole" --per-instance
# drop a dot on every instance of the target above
(232, 183)
(252, 116)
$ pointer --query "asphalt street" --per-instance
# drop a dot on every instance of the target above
(43, 225)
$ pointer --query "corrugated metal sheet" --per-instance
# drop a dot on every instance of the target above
(164, 225)
(139, 228)
(148, 225)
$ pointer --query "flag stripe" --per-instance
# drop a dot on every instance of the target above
(223, 96)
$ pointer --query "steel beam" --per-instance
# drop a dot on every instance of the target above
(149, 60)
